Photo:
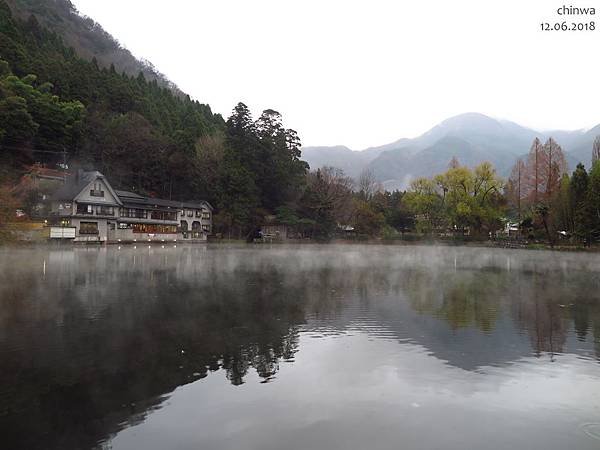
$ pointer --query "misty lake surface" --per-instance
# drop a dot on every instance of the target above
(298, 347)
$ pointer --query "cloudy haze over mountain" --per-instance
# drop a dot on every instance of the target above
(362, 73)
(471, 137)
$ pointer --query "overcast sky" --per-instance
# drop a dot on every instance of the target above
(370, 72)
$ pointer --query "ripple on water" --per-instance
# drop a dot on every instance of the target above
(592, 429)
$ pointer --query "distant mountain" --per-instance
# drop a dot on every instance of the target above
(581, 148)
(87, 37)
(352, 162)
(471, 137)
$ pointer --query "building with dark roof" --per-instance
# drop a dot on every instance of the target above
(95, 212)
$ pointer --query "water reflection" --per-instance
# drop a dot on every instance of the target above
(92, 341)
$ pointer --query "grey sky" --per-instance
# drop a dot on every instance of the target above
(370, 72)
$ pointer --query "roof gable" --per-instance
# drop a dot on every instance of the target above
(78, 188)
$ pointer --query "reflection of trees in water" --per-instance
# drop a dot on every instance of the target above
(87, 359)
(536, 308)
(105, 337)
(546, 304)
(586, 309)
(543, 303)
(463, 299)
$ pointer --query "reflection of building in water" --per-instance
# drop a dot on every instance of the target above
(93, 338)
(113, 331)
(88, 209)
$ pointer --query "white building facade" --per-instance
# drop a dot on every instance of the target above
(98, 213)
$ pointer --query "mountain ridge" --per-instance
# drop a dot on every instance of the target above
(88, 38)
(471, 137)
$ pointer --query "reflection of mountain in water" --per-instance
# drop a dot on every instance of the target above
(91, 340)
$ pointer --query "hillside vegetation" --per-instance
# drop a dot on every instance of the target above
(60, 109)
(55, 101)
(87, 37)
(57, 107)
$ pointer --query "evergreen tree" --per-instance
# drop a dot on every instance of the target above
(579, 201)
(564, 206)
(70, 103)
(593, 201)
(596, 151)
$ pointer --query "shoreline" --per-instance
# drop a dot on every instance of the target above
(489, 244)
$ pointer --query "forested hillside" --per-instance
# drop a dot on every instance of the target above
(87, 37)
(53, 100)
(57, 107)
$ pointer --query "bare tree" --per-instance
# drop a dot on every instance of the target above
(543, 170)
(534, 161)
(335, 188)
(367, 184)
(554, 165)
(454, 163)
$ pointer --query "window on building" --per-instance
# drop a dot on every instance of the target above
(96, 190)
(83, 208)
(163, 215)
(88, 228)
(190, 213)
(205, 227)
(105, 210)
(206, 215)
(154, 228)
(196, 227)
(198, 213)
(134, 213)
(124, 226)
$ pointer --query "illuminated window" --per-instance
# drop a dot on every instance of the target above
(154, 228)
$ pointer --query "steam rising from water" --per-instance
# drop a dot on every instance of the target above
(95, 340)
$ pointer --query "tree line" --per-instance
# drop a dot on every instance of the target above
(56, 107)
(539, 197)
(542, 195)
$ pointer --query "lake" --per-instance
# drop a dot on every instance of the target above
(298, 347)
